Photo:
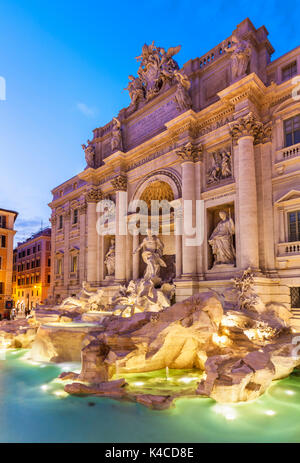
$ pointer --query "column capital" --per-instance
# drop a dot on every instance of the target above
(244, 127)
(94, 195)
(82, 207)
(53, 219)
(189, 152)
(119, 183)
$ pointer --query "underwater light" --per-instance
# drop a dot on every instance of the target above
(138, 383)
(270, 412)
(60, 393)
(289, 392)
(228, 412)
(187, 379)
(44, 387)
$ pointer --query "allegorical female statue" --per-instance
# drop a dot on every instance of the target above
(151, 255)
(221, 241)
(110, 258)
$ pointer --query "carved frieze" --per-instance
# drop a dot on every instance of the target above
(119, 183)
(219, 166)
(189, 152)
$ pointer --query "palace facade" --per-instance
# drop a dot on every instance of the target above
(31, 270)
(7, 233)
(224, 129)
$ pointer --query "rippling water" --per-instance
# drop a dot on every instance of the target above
(34, 408)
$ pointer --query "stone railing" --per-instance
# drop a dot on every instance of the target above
(214, 53)
(289, 152)
(290, 248)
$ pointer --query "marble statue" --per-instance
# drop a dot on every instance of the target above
(136, 90)
(152, 251)
(116, 140)
(221, 241)
(157, 67)
(85, 300)
(110, 258)
(221, 167)
(240, 51)
(182, 97)
(89, 154)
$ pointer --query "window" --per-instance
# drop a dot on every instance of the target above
(60, 222)
(289, 71)
(3, 241)
(32, 279)
(49, 262)
(34, 250)
(33, 264)
(292, 131)
(48, 279)
(38, 263)
(295, 297)
(0, 263)
(28, 252)
(2, 221)
(28, 266)
(39, 247)
(294, 226)
(37, 278)
(1, 287)
(75, 216)
(27, 281)
(19, 281)
(59, 266)
(74, 264)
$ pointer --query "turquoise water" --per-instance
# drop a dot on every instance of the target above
(34, 408)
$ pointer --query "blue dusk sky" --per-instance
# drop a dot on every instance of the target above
(66, 64)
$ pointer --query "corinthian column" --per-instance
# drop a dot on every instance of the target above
(67, 215)
(92, 197)
(189, 154)
(245, 131)
(119, 184)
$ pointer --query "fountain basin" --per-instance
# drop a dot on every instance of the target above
(61, 342)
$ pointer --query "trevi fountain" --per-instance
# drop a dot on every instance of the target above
(143, 347)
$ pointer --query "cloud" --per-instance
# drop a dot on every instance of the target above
(26, 227)
(86, 110)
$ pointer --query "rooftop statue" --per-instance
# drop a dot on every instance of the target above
(182, 96)
(116, 141)
(240, 56)
(89, 154)
(157, 67)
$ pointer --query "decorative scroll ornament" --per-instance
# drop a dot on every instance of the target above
(93, 196)
(245, 126)
(116, 140)
(119, 183)
(182, 96)
(220, 167)
(53, 219)
(157, 67)
(189, 152)
(89, 154)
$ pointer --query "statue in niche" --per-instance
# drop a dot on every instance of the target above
(136, 90)
(221, 241)
(240, 56)
(116, 140)
(89, 154)
(182, 96)
(220, 168)
(152, 256)
(110, 258)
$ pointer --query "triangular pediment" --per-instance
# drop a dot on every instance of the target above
(293, 195)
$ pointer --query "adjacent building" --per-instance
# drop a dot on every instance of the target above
(31, 270)
(224, 129)
(7, 232)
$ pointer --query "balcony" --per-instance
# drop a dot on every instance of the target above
(289, 249)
